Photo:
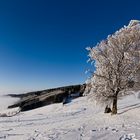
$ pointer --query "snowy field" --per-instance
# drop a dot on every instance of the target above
(78, 120)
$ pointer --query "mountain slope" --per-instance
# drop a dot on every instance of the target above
(78, 120)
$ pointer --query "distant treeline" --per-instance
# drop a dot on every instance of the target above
(37, 99)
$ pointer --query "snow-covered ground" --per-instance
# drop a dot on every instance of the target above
(78, 120)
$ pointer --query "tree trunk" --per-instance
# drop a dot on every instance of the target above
(114, 107)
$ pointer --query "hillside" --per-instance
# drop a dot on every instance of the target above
(78, 120)
(36, 99)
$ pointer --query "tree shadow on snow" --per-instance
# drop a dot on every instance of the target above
(128, 108)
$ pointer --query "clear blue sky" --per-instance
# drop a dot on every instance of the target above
(42, 42)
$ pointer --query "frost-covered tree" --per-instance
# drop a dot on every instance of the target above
(117, 65)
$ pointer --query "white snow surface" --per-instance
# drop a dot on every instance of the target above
(78, 120)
